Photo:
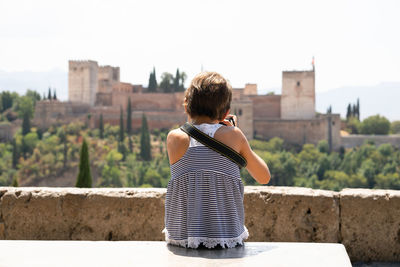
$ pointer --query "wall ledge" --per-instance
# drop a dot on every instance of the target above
(366, 221)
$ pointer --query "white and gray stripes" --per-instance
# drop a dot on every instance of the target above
(204, 201)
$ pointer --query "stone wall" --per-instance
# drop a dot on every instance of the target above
(54, 112)
(5, 132)
(243, 110)
(366, 221)
(266, 106)
(300, 131)
(355, 140)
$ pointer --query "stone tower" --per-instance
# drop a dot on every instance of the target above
(298, 95)
(108, 77)
(83, 81)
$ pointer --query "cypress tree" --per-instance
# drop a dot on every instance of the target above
(84, 178)
(354, 112)
(14, 154)
(121, 126)
(348, 114)
(129, 118)
(101, 127)
(145, 146)
(358, 108)
(130, 144)
(54, 95)
(152, 81)
(26, 124)
(176, 80)
(155, 84)
(121, 146)
(49, 94)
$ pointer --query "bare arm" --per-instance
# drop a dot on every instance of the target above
(256, 166)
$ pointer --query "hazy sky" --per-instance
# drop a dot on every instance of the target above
(354, 42)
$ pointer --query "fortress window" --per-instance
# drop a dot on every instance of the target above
(333, 123)
(240, 112)
(298, 83)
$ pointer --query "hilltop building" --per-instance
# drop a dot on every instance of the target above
(96, 90)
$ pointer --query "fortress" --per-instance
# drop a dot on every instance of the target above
(96, 90)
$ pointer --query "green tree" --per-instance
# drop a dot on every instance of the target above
(33, 95)
(14, 154)
(101, 126)
(6, 100)
(166, 83)
(24, 105)
(375, 125)
(182, 77)
(54, 95)
(353, 125)
(121, 126)
(395, 127)
(323, 146)
(358, 109)
(348, 113)
(129, 118)
(111, 173)
(145, 146)
(49, 94)
(84, 178)
(30, 142)
(177, 79)
(153, 81)
(26, 124)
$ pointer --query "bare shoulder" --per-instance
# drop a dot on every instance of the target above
(230, 132)
(177, 144)
(177, 136)
(231, 136)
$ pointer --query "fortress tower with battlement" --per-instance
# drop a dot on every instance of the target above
(83, 81)
(298, 95)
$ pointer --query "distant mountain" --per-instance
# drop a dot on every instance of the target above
(382, 99)
(40, 81)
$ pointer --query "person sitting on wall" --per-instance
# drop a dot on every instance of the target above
(204, 201)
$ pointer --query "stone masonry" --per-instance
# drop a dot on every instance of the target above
(366, 221)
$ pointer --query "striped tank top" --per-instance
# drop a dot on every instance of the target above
(204, 201)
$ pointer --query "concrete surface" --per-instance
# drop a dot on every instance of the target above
(23, 253)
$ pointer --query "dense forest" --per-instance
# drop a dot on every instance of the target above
(121, 158)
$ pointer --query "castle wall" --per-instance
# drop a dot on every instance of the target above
(243, 109)
(266, 106)
(52, 112)
(108, 77)
(122, 87)
(300, 131)
(365, 221)
(298, 95)
(5, 132)
(149, 101)
(355, 140)
(155, 119)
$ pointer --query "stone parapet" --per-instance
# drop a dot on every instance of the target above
(366, 221)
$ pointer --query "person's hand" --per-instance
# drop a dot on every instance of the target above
(230, 120)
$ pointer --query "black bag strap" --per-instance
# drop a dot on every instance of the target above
(214, 144)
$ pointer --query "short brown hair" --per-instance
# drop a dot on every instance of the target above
(209, 94)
